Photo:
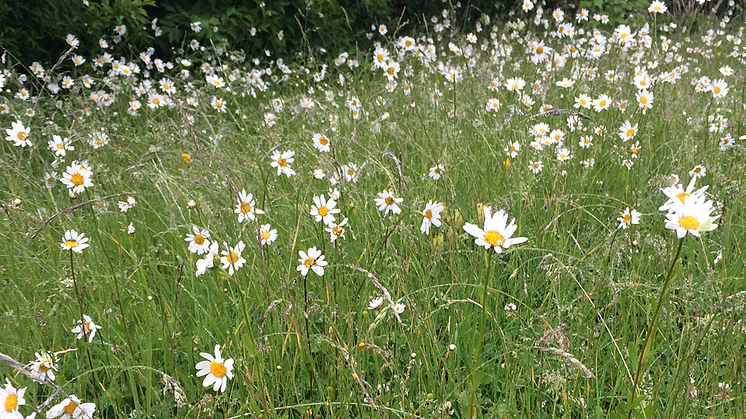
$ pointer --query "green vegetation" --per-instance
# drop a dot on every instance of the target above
(399, 324)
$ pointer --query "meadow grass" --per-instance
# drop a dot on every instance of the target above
(565, 313)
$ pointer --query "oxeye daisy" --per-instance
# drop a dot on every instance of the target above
(282, 161)
(268, 234)
(436, 171)
(628, 217)
(59, 146)
(88, 328)
(10, 399)
(493, 105)
(693, 218)
(232, 259)
(375, 303)
(321, 142)
(216, 370)
(74, 241)
(44, 366)
(72, 408)
(386, 201)
(602, 103)
(431, 216)
(323, 209)
(218, 104)
(678, 196)
(719, 88)
(399, 308)
(698, 172)
(336, 230)
(535, 166)
(18, 134)
(635, 149)
(199, 242)
(497, 232)
(645, 100)
(208, 261)
(245, 208)
(512, 149)
(311, 260)
(627, 131)
(563, 154)
(583, 101)
(349, 171)
(77, 179)
(586, 141)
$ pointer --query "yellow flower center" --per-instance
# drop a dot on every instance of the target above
(308, 262)
(625, 35)
(630, 132)
(71, 243)
(627, 218)
(323, 140)
(199, 239)
(602, 103)
(634, 150)
(218, 104)
(70, 408)
(218, 369)
(643, 100)
(22, 136)
(390, 71)
(688, 223)
(717, 89)
(389, 200)
(245, 207)
(494, 238)
(429, 214)
(156, 101)
(338, 231)
(265, 235)
(539, 50)
(11, 402)
(582, 101)
(43, 366)
(323, 211)
(232, 258)
(282, 162)
(77, 179)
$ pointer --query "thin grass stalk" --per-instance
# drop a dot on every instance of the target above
(653, 324)
(478, 348)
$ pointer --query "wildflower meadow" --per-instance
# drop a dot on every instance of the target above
(533, 215)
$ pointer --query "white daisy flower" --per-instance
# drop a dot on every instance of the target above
(216, 370)
(497, 232)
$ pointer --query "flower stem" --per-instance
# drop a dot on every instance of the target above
(653, 324)
(478, 348)
(84, 327)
